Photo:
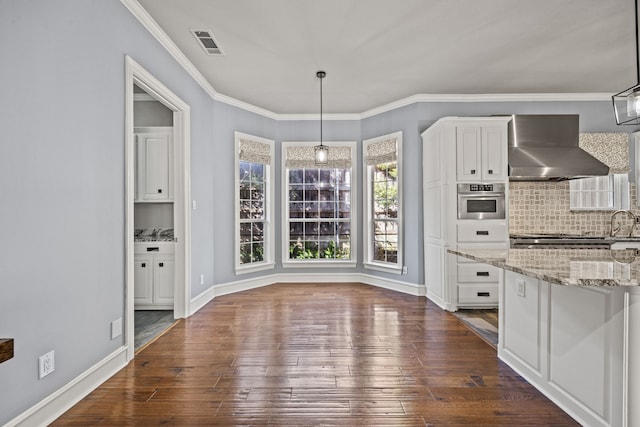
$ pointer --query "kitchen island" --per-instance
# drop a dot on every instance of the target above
(569, 323)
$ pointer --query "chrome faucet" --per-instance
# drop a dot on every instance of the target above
(615, 229)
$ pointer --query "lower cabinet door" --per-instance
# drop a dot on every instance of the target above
(143, 280)
(163, 283)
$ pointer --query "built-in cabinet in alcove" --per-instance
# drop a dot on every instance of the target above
(154, 270)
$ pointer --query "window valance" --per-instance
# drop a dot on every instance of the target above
(304, 157)
(384, 151)
(254, 151)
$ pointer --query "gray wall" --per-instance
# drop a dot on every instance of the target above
(62, 179)
(62, 82)
(151, 113)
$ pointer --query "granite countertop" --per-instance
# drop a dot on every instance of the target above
(571, 267)
(153, 235)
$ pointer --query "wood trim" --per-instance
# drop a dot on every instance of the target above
(6, 349)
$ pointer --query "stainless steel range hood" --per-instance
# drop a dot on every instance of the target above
(545, 148)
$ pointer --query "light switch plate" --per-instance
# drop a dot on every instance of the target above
(116, 328)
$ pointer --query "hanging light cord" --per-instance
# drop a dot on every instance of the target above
(321, 75)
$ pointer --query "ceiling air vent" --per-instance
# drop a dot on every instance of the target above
(207, 42)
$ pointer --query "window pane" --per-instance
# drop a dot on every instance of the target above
(326, 195)
(325, 176)
(257, 252)
(257, 172)
(296, 210)
(245, 253)
(311, 210)
(310, 193)
(245, 232)
(295, 176)
(258, 231)
(257, 210)
(244, 171)
(328, 210)
(296, 193)
(311, 176)
(245, 209)
(345, 210)
(296, 230)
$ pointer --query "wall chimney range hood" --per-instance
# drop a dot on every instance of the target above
(545, 148)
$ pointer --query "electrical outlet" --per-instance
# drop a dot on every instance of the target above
(202, 279)
(521, 288)
(405, 270)
(46, 364)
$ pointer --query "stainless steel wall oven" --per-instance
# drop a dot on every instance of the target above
(481, 201)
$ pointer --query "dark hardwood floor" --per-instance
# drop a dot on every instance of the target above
(326, 354)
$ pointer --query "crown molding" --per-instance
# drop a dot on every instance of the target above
(488, 97)
(152, 26)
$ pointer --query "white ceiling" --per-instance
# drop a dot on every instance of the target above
(379, 51)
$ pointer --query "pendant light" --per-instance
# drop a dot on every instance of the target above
(321, 151)
(626, 104)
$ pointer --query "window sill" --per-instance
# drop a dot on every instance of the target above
(319, 264)
(254, 268)
(383, 267)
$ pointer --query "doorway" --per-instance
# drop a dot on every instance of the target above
(141, 81)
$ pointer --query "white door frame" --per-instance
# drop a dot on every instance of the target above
(182, 193)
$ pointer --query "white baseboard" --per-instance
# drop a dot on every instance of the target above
(47, 410)
(394, 285)
(441, 302)
(243, 285)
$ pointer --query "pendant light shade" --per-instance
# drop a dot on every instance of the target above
(626, 104)
(321, 151)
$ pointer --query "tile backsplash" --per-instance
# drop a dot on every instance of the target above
(543, 207)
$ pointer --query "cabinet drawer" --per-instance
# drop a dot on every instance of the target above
(154, 248)
(478, 294)
(482, 232)
(478, 273)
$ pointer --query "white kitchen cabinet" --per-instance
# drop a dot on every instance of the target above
(154, 275)
(154, 163)
(461, 150)
(481, 153)
(568, 341)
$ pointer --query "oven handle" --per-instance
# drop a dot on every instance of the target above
(483, 196)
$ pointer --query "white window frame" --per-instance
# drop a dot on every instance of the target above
(269, 230)
(368, 239)
(353, 217)
(614, 186)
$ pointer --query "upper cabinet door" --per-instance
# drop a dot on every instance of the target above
(494, 154)
(155, 166)
(468, 155)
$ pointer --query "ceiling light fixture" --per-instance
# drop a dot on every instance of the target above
(321, 151)
(626, 104)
